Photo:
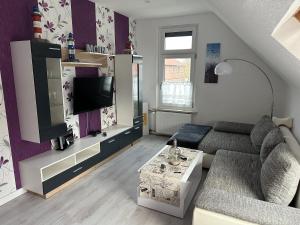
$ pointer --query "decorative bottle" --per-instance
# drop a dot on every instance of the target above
(71, 48)
(174, 154)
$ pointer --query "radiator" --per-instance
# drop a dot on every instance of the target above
(169, 122)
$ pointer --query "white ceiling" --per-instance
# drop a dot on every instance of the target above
(155, 8)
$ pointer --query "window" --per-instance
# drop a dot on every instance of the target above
(176, 67)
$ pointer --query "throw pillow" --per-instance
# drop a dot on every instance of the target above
(260, 130)
(280, 175)
(273, 138)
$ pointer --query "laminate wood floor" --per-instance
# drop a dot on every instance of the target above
(107, 196)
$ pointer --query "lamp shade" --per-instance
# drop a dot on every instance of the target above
(223, 68)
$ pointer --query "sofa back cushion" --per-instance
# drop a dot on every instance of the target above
(233, 127)
(280, 174)
(273, 138)
(260, 130)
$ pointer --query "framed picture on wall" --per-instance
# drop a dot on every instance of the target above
(213, 54)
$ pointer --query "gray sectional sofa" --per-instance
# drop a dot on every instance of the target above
(253, 177)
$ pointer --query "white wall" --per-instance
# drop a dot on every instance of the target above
(293, 108)
(244, 96)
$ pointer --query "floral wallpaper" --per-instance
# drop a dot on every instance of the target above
(108, 117)
(132, 32)
(57, 24)
(105, 26)
(7, 176)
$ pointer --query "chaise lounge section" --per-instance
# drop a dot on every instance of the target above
(251, 185)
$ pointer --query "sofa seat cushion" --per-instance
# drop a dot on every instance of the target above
(247, 209)
(215, 140)
(280, 176)
(235, 172)
(260, 131)
(189, 135)
(186, 140)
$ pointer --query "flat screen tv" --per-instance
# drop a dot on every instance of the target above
(91, 93)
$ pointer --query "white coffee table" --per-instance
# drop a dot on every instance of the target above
(169, 190)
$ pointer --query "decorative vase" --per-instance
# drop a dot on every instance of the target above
(128, 48)
(174, 154)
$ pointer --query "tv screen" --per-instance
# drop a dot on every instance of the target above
(92, 93)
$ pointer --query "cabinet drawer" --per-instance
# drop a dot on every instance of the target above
(109, 147)
(126, 138)
(137, 120)
(67, 175)
(137, 131)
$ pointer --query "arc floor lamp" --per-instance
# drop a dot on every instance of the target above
(224, 68)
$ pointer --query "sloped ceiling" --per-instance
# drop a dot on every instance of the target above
(155, 8)
(254, 21)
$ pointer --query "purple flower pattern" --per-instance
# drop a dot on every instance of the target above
(62, 38)
(44, 5)
(3, 161)
(109, 19)
(70, 96)
(132, 32)
(67, 85)
(102, 38)
(63, 3)
(7, 177)
(50, 26)
(99, 23)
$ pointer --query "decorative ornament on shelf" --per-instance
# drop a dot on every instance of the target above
(128, 48)
(95, 49)
(71, 48)
(36, 19)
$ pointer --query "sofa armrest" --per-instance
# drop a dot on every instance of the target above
(233, 127)
(247, 209)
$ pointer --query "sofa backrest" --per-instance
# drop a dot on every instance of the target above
(295, 148)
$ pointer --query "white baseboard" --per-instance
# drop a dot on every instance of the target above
(12, 196)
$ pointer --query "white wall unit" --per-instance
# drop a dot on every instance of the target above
(88, 153)
(44, 170)
(38, 84)
(123, 71)
(128, 75)
(58, 167)
(23, 75)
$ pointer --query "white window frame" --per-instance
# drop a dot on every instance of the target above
(181, 53)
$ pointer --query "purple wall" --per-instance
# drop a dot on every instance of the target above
(15, 24)
(121, 32)
(84, 29)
